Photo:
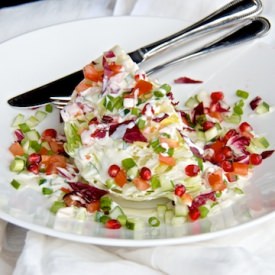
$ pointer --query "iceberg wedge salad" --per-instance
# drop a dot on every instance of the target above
(126, 138)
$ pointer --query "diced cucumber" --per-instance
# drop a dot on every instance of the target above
(161, 209)
(177, 221)
(40, 115)
(32, 135)
(181, 210)
(19, 119)
(168, 216)
(166, 184)
(211, 133)
(17, 165)
(260, 142)
(234, 119)
(134, 224)
(32, 121)
(191, 102)
(132, 172)
(262, 108)
(202, 96)
(117, 211)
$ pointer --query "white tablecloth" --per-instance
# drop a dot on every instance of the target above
(30, 253)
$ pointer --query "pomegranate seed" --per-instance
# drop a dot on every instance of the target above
(217, 96)
(113, 224)
(179, 190)
(194, 214)
(245, 127)
(255, 159)
(33, 168)
(192, 170)
(227, 152)
(49, 133)
(208, 125)
(34, 158)
(145, 173)
(227, 166)
(113, 170)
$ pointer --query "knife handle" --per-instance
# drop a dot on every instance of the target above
(226, 15)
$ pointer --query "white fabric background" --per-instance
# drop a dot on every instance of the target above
(30, 253)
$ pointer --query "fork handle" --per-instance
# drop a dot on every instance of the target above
(226, 15)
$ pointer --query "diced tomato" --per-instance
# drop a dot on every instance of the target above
(141, 184)
(53, 162)
(231, 177)
(216, 115)
(143, 87)
(171, 142)
(82, 86)
(121, 178)
(91, 73)
(216, 181)
(170, 161)
(93, 206)
(240, 168)
(187, 198)
(115, 68)
(16, 149)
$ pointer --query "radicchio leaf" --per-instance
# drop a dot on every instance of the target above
(87, 192)
(186, 80)
(133, 134)
(255, 102)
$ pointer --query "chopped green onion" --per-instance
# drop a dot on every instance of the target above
(135, 111)
(128, 163)
(238, 190)
(49, 108)
(24, 127)
(242, 94)
(141, 123)
(104, 218)
(154, 221)
(158, 94)
(238, 110)
(105, 203)
(41, 181)
(15, 184)
(56, 206)
(166, 87)
(203, 211)
(47, 191)
(155, 182)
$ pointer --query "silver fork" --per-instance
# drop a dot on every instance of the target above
(251, 29)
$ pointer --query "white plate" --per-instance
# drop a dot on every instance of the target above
(38, 57)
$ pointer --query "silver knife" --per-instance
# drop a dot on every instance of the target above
(230, 14)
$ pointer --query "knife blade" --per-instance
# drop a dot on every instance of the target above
(230, 14)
